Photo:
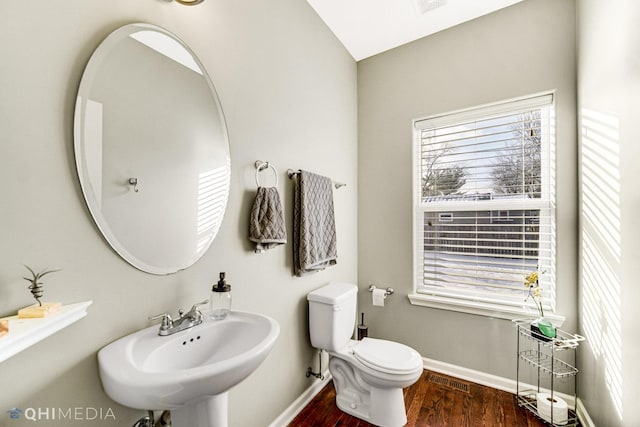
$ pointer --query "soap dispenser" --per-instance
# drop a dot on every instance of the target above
(220, 299)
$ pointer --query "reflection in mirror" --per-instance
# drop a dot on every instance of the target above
(151, 149)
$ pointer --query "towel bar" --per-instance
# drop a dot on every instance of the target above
(292, 173)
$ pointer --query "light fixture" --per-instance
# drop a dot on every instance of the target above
(189, 2)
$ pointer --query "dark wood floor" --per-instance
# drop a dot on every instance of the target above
(436, 400)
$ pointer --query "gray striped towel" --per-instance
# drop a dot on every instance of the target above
(314, 229)
(266, 225)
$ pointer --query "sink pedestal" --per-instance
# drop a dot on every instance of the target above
(212, 412)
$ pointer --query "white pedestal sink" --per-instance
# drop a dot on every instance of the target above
(189, 372)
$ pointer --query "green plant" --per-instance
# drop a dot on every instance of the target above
(36, 286)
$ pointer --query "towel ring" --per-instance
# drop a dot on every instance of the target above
(260, 166)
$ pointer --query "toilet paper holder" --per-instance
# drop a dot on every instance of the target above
(387, 292)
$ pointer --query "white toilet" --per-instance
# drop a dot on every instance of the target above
(368, 375)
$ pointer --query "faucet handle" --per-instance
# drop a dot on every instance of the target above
(167, 321)
(195, 306)
(195, 313)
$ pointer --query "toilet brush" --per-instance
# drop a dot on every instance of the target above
(363, 330)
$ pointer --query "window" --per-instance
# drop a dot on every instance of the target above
(490, 172)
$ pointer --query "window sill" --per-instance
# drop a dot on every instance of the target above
(479, 308)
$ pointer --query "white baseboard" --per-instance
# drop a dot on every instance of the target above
(303, 400)
(583, 415)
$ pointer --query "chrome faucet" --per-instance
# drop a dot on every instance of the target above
(187, 320)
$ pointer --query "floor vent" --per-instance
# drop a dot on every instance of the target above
(449, 382)
(459, 385)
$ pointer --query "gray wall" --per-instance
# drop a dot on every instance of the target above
(288, 89)
(524, 49)
(289, 93)
(609, 104)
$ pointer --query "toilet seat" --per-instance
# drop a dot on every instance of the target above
(387, 356)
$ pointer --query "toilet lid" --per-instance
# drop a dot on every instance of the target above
(387, 356)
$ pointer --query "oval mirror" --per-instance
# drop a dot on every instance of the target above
(151, 149)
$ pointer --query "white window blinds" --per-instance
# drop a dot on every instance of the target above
(484, 203)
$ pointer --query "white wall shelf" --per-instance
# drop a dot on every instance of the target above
(23, 333)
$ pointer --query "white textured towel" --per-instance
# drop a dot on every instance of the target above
(314, 230)
(266, 225)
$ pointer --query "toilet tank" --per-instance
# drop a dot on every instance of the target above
(332, 315)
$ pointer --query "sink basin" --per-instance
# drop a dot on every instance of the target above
(190, 371)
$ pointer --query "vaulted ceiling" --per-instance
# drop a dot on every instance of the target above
(368, 27)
